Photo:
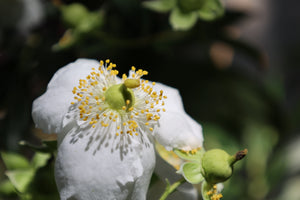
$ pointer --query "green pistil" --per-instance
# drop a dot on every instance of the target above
(118, 96)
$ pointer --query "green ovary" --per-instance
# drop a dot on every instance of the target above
(118, 96)
(216, 166)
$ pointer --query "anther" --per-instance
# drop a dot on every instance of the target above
(132, 83)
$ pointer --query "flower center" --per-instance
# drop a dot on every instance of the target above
(130, 107)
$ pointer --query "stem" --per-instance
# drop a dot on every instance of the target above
(238, 156)
(171, 188)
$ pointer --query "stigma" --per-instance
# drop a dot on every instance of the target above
(127, 106)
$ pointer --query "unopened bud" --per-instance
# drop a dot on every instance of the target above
(217, 165)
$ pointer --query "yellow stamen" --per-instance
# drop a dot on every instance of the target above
(144, 108)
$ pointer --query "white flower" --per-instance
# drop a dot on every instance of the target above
(106, 126)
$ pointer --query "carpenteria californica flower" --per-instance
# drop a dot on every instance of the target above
(106, 127)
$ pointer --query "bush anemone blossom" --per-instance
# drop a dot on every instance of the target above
(106, 128)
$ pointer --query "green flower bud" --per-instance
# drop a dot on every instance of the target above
(119, 97)
(190, 5)
(218, 165)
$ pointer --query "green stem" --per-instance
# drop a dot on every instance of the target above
(43, 148)
(171, 188)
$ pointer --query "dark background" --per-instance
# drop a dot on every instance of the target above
(238, 76)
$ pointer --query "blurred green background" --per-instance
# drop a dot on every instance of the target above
(237, 71)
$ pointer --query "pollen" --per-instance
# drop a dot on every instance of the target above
(193, 151)
(213, 193)
(138, 115)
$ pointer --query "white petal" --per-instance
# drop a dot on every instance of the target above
(220, 187)
(113, 172)
(177, 129)
(173, 101)
(48, 110)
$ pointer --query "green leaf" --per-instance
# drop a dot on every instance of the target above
(14, 161)
(192, 172)
(190, 156)
(160, 5)
(90, 22)
(73, 14)
(46, 147)
(182, 21)
(7, 188)
(21, 178)
(211, 10)
(40, 160)
(190, 5)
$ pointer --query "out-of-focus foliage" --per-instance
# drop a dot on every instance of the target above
(80, 21)
(28, 179)
(185, 13)
(32, 179)
(224, 81)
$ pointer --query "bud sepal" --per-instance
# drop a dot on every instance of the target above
(191, 170)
